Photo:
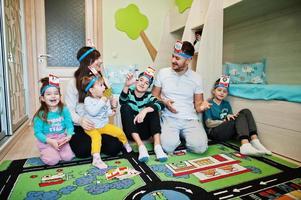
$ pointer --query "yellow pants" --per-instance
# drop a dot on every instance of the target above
(108, 129)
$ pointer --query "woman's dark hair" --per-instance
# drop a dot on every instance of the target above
(43, 110)
(188, 48)
(83, 69)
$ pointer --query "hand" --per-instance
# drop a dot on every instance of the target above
(140, 117)
(113, 112)
(230, 116)
(114, 103)
(64, 140)
(53, 143)
(130, 79)
(104, 98)
(168, 103)
(205, 105)
(86, 124)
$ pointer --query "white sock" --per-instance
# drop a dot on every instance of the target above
(97, 162)
(127, 147)
(143, 154)
(248, 149)
(161, 156)
(257, 144)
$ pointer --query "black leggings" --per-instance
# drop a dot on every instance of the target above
(243, 127)
(81, 144)
(149, 127)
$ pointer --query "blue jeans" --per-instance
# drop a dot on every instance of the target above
(192, 131)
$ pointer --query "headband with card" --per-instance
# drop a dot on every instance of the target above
(86, 54)
(150, 72)
(53, 81)
(224, 82)
(178, 50)
(91, 83)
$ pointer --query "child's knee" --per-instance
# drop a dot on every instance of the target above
(67, 156)
(50, 160)
(197, 146)
(245, 111)
(169, 146)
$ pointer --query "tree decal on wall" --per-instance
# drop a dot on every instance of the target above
(183, 5)
(134, 23)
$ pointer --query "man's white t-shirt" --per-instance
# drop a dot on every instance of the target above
(180, 89)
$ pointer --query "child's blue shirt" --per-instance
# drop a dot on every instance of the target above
(218, 112)
(57, 123)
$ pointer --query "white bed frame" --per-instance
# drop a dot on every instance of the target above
(278, 123)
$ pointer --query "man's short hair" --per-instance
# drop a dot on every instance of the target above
(188, 48)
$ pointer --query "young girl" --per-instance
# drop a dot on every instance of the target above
(140, 114)
(97, 108)
(53, 126)
(223, 124)
(80, 142)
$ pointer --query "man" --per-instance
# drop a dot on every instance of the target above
(181, 91)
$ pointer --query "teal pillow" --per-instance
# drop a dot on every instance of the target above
(246, 72)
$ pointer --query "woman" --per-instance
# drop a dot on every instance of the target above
(80, 142)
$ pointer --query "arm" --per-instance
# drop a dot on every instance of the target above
(213, 123)
(156, 91)
(123, 98)
(155, 103)
(38, 129)
(199, 104)
(71, 100)
(68, 122)
(209, 121)
(130, 80)
(93, 106)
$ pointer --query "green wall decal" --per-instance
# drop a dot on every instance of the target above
(183, 5)
(133, 23)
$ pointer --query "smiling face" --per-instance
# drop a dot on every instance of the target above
(142, 84)
(51, 97)
(220, 93)
(97, 89)
(178, 63)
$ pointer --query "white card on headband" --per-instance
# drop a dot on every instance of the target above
(178, 46)
(225, 80)
(90, 43)
(93, 70)
(54, 80)
(150, 71)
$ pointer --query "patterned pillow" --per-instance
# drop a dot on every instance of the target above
(246, 73)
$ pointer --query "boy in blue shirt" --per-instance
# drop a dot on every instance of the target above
(222, 124)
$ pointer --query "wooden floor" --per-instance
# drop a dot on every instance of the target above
(24, 147)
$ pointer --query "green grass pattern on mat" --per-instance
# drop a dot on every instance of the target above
(263, 169)
(148, 144)
(4, 165)
(81, 182)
